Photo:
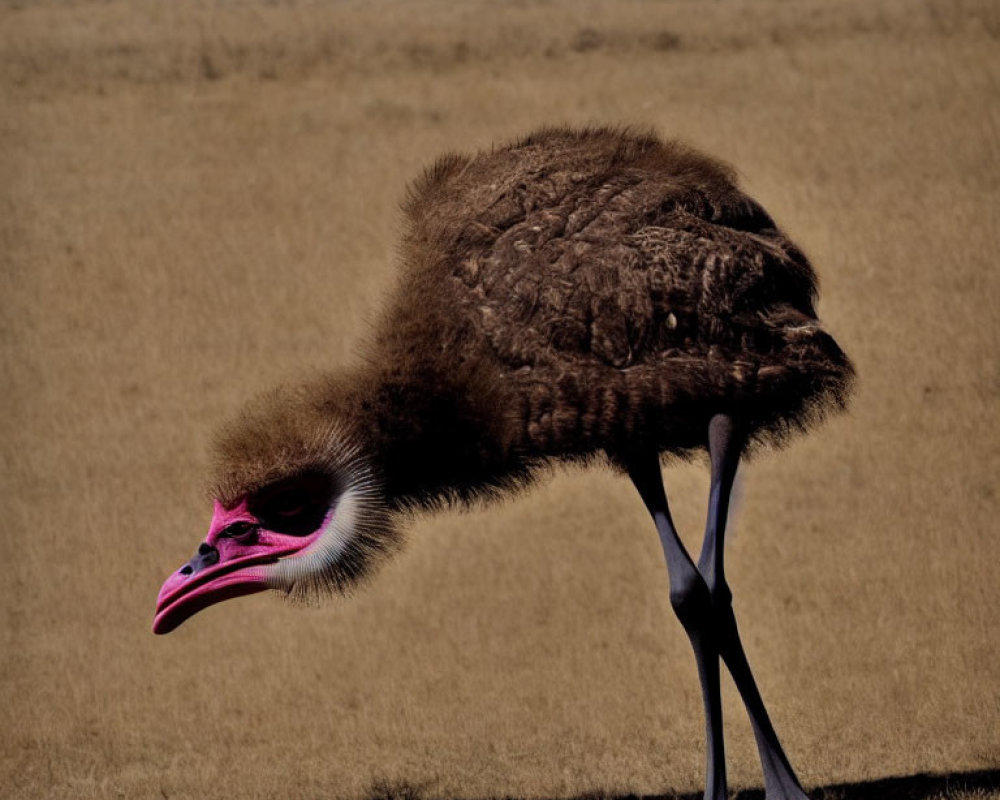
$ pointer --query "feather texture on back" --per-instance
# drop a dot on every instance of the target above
(575, 294)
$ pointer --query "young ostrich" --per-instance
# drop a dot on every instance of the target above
(574, 296)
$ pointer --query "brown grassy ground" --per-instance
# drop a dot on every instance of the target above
(199, 200)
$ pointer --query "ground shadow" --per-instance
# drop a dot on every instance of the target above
(921, 786)
(905, 787)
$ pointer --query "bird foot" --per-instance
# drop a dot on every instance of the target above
(781, 785)
(790, 794)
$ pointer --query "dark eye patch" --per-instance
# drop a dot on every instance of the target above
(295, 506)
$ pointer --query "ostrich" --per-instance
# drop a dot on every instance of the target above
(578, 295)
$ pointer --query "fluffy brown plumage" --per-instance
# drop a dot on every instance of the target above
(577, 293)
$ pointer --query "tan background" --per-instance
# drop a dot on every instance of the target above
(198, 200)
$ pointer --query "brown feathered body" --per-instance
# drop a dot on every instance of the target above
(571, 295)
(574, 295)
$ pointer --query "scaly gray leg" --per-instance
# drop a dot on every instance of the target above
(692, 603)
(725, 445)
(701, 599)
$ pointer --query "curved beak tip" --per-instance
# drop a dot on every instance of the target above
(185, 594)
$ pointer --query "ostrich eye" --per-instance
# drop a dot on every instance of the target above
(296, 505)
(243, 532)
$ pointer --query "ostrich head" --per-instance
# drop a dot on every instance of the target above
(297, 508)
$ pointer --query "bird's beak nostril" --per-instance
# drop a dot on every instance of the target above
(207, 556)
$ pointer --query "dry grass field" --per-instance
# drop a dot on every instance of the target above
(199, 200)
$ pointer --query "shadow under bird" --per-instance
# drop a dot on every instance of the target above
(589, 295)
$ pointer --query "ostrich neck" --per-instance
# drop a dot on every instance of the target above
(435, 436)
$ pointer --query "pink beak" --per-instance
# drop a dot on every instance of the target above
(231, 562)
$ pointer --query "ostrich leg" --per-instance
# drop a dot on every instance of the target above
(692, 602)
(725, 445)
(701, 599)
